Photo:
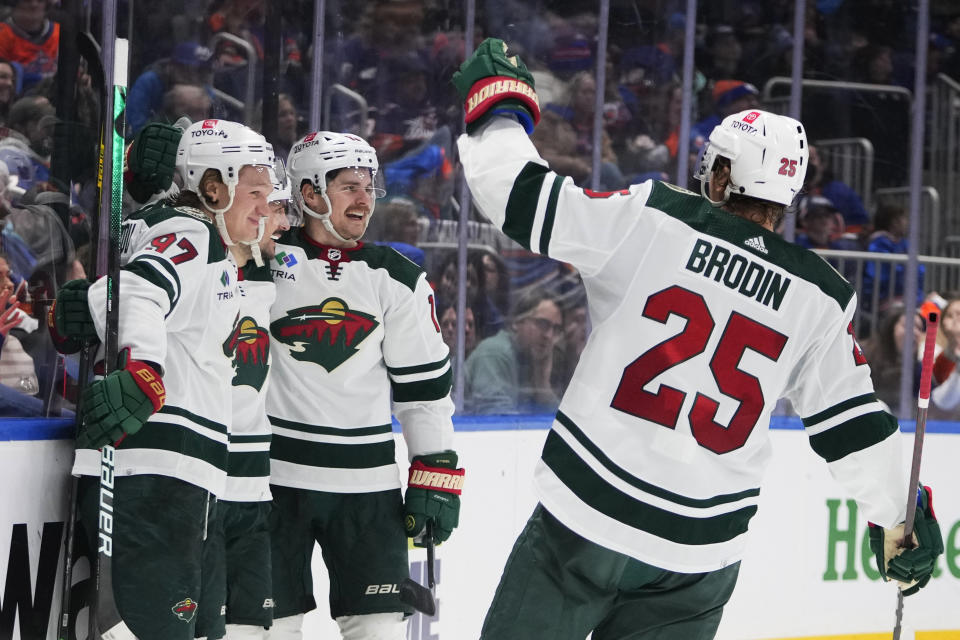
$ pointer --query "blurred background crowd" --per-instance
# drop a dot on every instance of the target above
(385, 67)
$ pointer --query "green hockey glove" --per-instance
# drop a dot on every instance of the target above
(151, 159)
(490, 82)
(119, 403)
(69, 317)
(433, 493)
(913, 567)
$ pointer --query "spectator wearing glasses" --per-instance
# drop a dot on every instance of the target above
(512, 371)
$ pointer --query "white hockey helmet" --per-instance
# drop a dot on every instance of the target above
(317, 154)
(227, 147)
(767, 152)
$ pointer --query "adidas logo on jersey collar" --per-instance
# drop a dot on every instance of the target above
(757, 244)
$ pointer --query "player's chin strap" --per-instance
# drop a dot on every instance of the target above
(221, 222)
(324, 218)
(222, 228)
(255, 244)
(705, 194)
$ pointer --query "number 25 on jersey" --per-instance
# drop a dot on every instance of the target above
(663, 407)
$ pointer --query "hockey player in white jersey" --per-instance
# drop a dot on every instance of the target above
(354, 335)
(166, 406)
(702, 318)
(237, 551)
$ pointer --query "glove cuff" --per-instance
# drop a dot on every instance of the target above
(435, 478)
(148, 382)
(490, 90)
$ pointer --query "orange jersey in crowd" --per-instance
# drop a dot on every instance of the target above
(35, 57)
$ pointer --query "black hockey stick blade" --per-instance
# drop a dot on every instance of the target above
(415, 594)
(418, 596)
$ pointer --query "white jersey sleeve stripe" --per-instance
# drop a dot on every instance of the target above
(840, 418)
(420, 377)
(346, 438)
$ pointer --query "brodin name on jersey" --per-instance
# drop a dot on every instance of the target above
(326, 334)
(249, 344)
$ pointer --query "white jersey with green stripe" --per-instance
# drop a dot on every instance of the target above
(248, 465)
(178, 304)
(701, 321)
(353, 334)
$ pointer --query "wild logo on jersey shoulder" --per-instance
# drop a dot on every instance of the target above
(249, 345)
(327, 334)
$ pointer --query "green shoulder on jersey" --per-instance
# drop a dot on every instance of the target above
(156, 270)
(695, 211)
(156, 213)
(398, 266)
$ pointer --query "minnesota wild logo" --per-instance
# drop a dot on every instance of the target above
(185, 609)
(249, 345)
(327, 333)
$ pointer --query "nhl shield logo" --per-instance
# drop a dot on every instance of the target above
(334, 255)
(185, 609)
(328, 333)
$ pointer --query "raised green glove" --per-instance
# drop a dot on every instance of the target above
(913, 567)
(151, 159)
(490, 82)
(69, 317)
(433, 493)
(119, 404)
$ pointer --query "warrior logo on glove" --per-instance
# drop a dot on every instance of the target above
(433, 493)
(490, 82)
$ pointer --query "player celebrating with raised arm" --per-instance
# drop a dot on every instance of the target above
(353, 335)
(702, 318)
(167, 403)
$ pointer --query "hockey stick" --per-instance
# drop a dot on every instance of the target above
(107, 622)
(413, 593)
(89, 50)
(923, 401)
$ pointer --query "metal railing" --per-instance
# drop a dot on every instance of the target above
(878, 279)
(850, 160)
(480, 234)
(943, 145)
(361, 113)
(774, 101)
(249, 101)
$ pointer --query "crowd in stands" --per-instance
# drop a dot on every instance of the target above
(525, 318)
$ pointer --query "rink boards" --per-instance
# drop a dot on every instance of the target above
(808, 573)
